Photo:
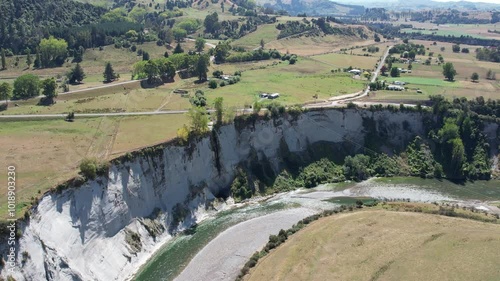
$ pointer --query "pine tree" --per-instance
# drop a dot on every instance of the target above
(29, 60)
(38, 59)
(76, 74)
(178, 49)
(202, 68)
(109, 74)
(4, 63)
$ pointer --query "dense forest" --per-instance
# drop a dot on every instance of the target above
(24, 22)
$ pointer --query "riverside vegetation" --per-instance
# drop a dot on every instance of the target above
(454, 147)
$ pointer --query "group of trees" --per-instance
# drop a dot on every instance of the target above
(488, 54)
(153, 68)
(25, 22)
(233, 28)
(28, 86)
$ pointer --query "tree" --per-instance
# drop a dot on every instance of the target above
(109, 74)
(376, 38)
(178, 49)
(26, 86)
(198, 120)
(212, 84)
(78, 56)
(455, 48)
(490, 75)
(221, 52)
(49, 87)
(449, 71)
(202, 67)
(5, 91)
(394, 72)
(53, 52)
(145, 55)
(76, 75)
(38, 59)
(474, 77)
(165, 54)
(412, 54)
(211, 23)
(4, 63)
(383, 69)
(219, 109)
(199, 44)
(151, 70)
(179, 34)
(29, 60)
(167, 69)
(199, 99)
(262, 43)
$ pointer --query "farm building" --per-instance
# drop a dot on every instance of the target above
(395, 88)
(355, 71)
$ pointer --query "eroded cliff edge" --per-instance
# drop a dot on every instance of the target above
(105, 228)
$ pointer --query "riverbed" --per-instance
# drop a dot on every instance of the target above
(218, 247)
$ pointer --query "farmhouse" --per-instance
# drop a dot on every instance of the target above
(399, 83)
(273, 96)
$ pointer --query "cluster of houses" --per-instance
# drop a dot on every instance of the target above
(269, 96)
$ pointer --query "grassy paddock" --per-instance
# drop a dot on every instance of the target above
(47, 152)
(363, 249)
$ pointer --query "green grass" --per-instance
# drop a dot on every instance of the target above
(295, 83)
(351, 200)
(424, 81)
(268, 32)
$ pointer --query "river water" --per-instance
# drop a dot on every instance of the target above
(219, 246)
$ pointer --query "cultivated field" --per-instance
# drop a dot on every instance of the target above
(383, 245)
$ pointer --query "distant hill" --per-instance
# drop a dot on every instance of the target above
(24, 22)
(313, 7)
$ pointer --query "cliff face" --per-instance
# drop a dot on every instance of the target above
(106, 228)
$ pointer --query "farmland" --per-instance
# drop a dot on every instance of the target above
(430, 80)
(359, 246)
(67, 143)
(47, 152)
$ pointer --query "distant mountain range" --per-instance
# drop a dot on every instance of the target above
(424, 4)
(313, 7)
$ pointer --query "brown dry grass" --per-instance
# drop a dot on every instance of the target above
(381, 245)
(48, 152)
